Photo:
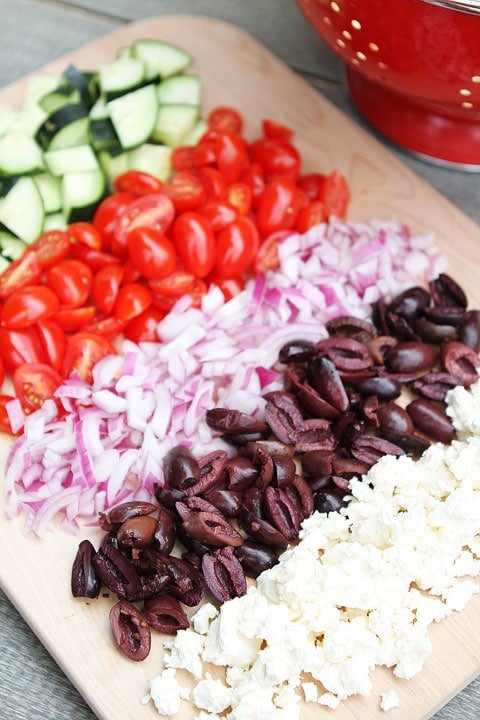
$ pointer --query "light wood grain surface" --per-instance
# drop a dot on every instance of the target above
(34, 33)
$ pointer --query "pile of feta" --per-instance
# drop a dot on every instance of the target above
(359, 590)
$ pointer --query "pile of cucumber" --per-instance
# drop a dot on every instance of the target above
(75, 133)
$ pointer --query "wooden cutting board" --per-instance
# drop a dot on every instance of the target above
(35, 573)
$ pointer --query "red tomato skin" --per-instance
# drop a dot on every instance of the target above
(278, 207)
(254, 177)
(152, 253)
(28, 305)
(232, 159)
(183, 157)
(21, 346)
(277, 157)
(85, 233)
(105, 286)
(72, 319)
(313, 214)
(137, 183)
(267, 257)
(224, 118)
(132, 299)
(51, 247)
(219, 213)
(54, 341)
(195, 243)
(229, 286)
(95, 259)
(213, 182)
(107, 213)
(335, 195)
(185, 190)
(312, 183)
(155, 210)
(5, 426)
(2, 372)
(143, 327)
(83, 351)
(20, 273)
(107, 327)
(237, 244)
(34, 383)
(173, 286)
(239, 194)
(273, 129)
(71, 281)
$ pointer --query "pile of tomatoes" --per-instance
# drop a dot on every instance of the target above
(217, 220)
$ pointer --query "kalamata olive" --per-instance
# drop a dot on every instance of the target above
(120, 513)
(255, 558)
(325, 378)
(317, 463)
(84, 580)
(224, 574)
(326, 502)
(446, 291)
(180, 468)
(137, 531)
(241, 473)
(431, 420)
(410, 357)
(228, 502)
(130, 631)
(283, 415)
(234, 422)
(352, 327)
(296, 351)
(164, 537)
(461, 361)
(116, 571)
(165, 614)
(410, 302)
(468, 331)
(382, 386)
(212, 529)
(394, 417)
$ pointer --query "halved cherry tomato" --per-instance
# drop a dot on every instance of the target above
(152, 253)
(218, 212)
(2, 372)
(185, 190)
(274, 129)
(51, 247)
(107, 213)
(232, 159)
(254, 177)
(213, 182)
(105, 286)
(107, 327)
(155, 210)
(237, 244)
(85, 233)
(29, 305)
(225, 118)
(137, 182)
(83, 351)
(5, 426)
(54, 341)
(267, 257)
(20, 273)
(73, 318)
(95, 259)
(34, 383)
(195, 243)
(313, 214)
(229, 286)
(21, 346)
(130, 272)
(278, 207)
(71, 281)
(132, 299)
(277, 157)
(196, 291)
(143, 327)
(312, 183)
(173, 286)
(335, 194)
(183, 158)
(239, 194)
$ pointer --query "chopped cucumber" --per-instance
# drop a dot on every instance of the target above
(49, 188)
(79, 158)
(37, 87)
(180, 90)
(199, 129)
(81, 193)
(58, 98)
(29, 120)
(113, 164)
(11, 247)
(161, 59)
(103, 135)
(121, 76)
(153, 159)
(21, 210)
(99, 110)
(134, 116)
(7, 117)
(174, 123)
(19, 154)
(54, 221)
(64, 128)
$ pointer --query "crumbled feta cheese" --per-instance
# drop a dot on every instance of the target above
(202, 618)
(310, 691)
(166, 693)
(211, 695)
(185, 652)
(389, 700)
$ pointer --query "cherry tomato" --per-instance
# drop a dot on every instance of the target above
(239, 194)
(132, 299)
(195, 243)
(71, 281)
(83, 351)
(185, 190)
(130, 272)
(5, 426)
(237, 244)
(107, 327)
(274, 129)
(254, 177)
(152, 253)
(218, 212)
(54, 340)
(313, 214)
(143, 327)
(206, 152)
(278, 207)
(277, 157)
(196, 291)
(155, 210)
(73, 318)
(105, 286)
(137, 182)
(225, 118)
(183, 158)
(213, 182)
(173, 286)
(34, 383)
(312, 184)
(28, 305)
(267, 257)
(2, 372)
(107, 213)
(231, 154)
(95, 259)
(335, 195)
(229, 286)
(51, 247)
(24, 271)
(85, 233)
(21, 346)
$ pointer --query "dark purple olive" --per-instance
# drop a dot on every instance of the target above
(255, 558)
(130, 631)
(84, 580)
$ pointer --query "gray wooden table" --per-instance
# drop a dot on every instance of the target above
(32, 686)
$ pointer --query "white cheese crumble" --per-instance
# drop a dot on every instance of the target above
(360, 589)
(166, 693)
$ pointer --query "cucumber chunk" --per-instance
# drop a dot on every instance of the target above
(29, 120)
(134, 116)
(7, 117)
(49, 188)
(76, 159)
(180, 90)
(58, 98)
(113, 164)
(37, 87)
(153, 159)
(174, 123)
(199, 129)
(21, 210)
(81, 192)
(64, 128)
(103, 135)
(161, 59)
(54, 221)
(19, 154)
(11, 247)
(121, 76)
